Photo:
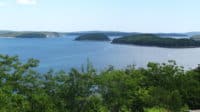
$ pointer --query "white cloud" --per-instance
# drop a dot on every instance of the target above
(27, 2)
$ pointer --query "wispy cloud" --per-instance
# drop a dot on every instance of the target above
(27, 2)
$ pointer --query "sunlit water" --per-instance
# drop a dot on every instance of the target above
(65, 53)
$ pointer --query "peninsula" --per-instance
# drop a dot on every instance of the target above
(155, 40)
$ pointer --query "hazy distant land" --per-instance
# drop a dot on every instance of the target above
(184, 40)
(29, 34)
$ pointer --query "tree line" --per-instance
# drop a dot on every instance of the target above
(164, 87)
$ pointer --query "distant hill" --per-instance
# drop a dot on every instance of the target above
(117, 33)
(4, 31)
(30, 34)
(192, 33)
(93, 37)
(171, 34)
(7, 33)
(108, 33)
(155, 40)
(196, 37)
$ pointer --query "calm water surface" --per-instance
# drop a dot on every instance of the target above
(64, 53)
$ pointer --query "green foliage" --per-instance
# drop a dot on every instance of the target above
(158, 88)
(156, 109)
(154, 40)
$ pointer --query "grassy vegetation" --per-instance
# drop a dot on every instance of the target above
(154, 40)
(158, 88)
(93, 37)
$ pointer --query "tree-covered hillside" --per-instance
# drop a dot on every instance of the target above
(158, 88)
(154, 40)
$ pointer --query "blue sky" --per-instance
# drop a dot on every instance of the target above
(113, 15)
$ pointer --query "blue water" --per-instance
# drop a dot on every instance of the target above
(65, 53)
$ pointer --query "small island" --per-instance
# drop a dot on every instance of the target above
(155, 40)
(93, 37)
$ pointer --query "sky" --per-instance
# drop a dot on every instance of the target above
(101, 15)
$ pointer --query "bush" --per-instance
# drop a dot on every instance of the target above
(158, 88)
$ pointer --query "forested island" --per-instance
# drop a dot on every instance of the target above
(163, 87)
(93, 37)
(154, 40)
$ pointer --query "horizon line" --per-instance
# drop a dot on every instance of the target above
(76, 31)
